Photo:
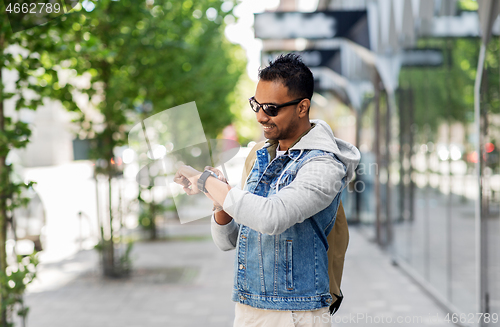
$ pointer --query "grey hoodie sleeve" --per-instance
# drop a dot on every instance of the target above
(225, 236)
(313, 189)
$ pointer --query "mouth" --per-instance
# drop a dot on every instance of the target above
(268, 128)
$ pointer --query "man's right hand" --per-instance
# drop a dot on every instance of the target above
(220, 175)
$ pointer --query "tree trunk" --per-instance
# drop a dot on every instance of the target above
(4, 181)
(4, 175)
(108, 249)
(152, 211)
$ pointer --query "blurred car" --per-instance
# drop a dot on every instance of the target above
(29, 222)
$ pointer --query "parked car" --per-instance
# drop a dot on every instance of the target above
(29, 221)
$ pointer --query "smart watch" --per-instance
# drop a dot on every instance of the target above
(203, 179)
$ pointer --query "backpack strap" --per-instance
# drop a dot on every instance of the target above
(250, 161)
(337, 239)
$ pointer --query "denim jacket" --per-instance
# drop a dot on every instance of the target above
(281, 220)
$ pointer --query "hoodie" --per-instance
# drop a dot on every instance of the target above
(281, 216)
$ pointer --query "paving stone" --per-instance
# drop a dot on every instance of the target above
(188, 283)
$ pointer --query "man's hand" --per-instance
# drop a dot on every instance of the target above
(188, 177)
(220, 175)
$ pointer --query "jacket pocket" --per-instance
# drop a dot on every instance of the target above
(251, 182)
(289, 265)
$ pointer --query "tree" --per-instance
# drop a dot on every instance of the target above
(22, 53)
(138, 58)
(130, 55)
(445, 94)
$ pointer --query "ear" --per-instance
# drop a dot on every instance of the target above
(304, 108)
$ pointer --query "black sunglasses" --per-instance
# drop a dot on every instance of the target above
(270, 109)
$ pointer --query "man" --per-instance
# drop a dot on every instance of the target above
(280, 220)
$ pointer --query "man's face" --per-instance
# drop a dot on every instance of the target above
(284, 125)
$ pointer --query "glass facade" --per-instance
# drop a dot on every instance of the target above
(421, 200)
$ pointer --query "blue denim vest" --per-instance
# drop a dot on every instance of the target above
(288, 271)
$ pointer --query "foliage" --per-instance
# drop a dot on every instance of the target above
(122, 264)
(149, 210)
(23, 55)
(120, 61)
(246, 125)
(145, 57)
(25, 93)
(125, 259)
(467, 5)
(446, 93)
(13, 284)
(113, 63)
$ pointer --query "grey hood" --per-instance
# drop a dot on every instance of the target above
(321, 137)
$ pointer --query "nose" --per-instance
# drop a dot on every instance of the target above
(262, 117)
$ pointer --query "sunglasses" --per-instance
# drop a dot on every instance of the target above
(270, 109)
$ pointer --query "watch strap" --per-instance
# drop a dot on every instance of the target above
(203, 179)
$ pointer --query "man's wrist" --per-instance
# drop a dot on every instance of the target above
(217, 207)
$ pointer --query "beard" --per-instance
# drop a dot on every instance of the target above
(281, 134)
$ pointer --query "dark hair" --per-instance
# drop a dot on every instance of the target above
(292, 72)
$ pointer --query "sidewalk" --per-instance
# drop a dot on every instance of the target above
(188, 283)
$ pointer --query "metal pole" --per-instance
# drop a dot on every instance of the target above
(411, 131)
(390, 101)
(357, 195)
(402, 188)
(480, 272)
(426, 218)
(377, 159)
(359, 115)
(402, 142)
(448, 217)
(81, 232)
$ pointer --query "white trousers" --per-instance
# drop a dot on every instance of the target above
(247, 316)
